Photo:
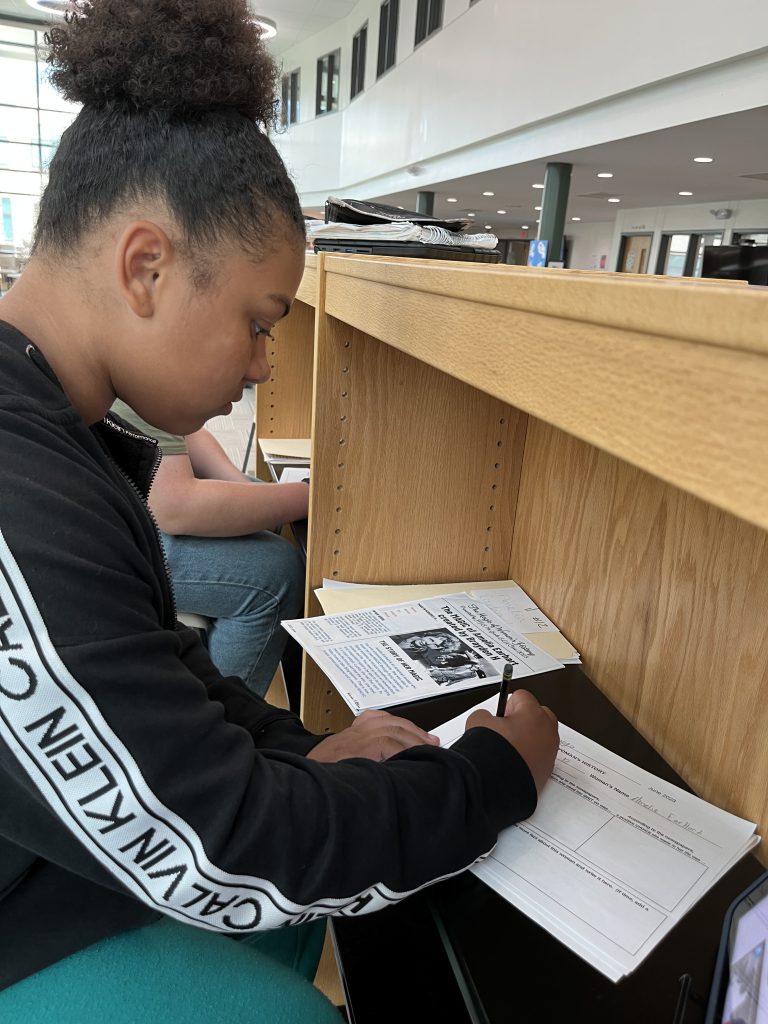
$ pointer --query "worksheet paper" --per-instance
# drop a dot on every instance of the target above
(613, 856)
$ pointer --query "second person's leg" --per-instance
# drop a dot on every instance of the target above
(247, 585)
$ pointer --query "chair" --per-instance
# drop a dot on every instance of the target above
(195, 621)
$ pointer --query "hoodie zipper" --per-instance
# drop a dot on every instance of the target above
(143, 439)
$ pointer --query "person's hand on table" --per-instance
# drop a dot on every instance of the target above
(530, 727)
(376, 735)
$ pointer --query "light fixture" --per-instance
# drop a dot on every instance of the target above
(604, 174)
(702, 159)
(488, 227)
(537, 208)
(685, 193)
(267, 26)
(537, 186)
(614, 200)
(501, 211)
(575, 218)
(489, 193)
(451, 199)
(58, 8)
(523, 227)
(470, 214)
(538, 220)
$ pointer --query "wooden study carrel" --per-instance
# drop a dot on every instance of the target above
(601, 439)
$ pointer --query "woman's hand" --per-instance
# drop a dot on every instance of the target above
(376, 735)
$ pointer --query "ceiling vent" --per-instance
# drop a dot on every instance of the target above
(763, 176)
(599, 195)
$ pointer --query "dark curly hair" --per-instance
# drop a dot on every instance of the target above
(178, 96)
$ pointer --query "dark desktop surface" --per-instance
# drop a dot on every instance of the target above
(472, 956)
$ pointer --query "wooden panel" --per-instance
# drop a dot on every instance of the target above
(284, 403)
(307, 292)
(418, 472)
(414, 476)
(691, 413)
(666, 597)
(701, 311)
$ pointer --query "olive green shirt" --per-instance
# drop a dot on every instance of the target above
(170, 444)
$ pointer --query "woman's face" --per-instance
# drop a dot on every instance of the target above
(429, 642)
(208, 343)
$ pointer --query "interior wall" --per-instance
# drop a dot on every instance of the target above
(745, 214)
(590, 245)
(456, 96)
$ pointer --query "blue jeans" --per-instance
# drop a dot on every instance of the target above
(247, 585)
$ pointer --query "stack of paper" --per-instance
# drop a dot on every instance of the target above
(285, 451)
(505, 597)
(294, 474)
(378, 657)
(613, 857)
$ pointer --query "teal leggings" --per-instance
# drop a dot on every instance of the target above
(170, 973)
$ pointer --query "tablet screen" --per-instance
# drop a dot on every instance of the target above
(746, 998)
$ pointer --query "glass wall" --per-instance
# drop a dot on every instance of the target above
(32, 117)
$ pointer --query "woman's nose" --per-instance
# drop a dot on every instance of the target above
(259, 370)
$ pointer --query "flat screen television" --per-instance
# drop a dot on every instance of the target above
(736, 262)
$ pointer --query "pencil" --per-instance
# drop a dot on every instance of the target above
(506, 682)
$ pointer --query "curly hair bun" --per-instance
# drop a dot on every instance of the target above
(180, 56)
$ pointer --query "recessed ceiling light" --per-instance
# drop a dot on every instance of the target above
(267, 26)
(451, 200)
(685, 193)
(56, 7)
(702, 159)
(501, 211)
(538, 221)
(488, 227)
(489, 193)
(401, 207)
(604, 174)
(470, 214)
(537, 186)
(537, 207)
(575, 218)
(524, 227)
(614, 200)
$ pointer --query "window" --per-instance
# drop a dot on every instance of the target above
(327, 93)
(681, 255)
(32, 117)
(359, 47)
(749, 238)
(429, 18)
(7, 219)
(388, 16)
(289, 106)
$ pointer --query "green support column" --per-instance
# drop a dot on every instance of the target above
(557, 183)
(425, 203)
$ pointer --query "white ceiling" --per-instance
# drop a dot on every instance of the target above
(648, 171)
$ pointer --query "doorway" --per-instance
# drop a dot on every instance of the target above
(633, 254)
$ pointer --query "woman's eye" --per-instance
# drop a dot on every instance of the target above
(256, 330)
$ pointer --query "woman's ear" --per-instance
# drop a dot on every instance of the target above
(143, 259)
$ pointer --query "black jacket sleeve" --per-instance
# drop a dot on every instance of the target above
(131, 758)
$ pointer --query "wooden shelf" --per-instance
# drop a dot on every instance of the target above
(601, 439)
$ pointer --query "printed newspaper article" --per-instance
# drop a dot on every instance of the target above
(379, 657)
